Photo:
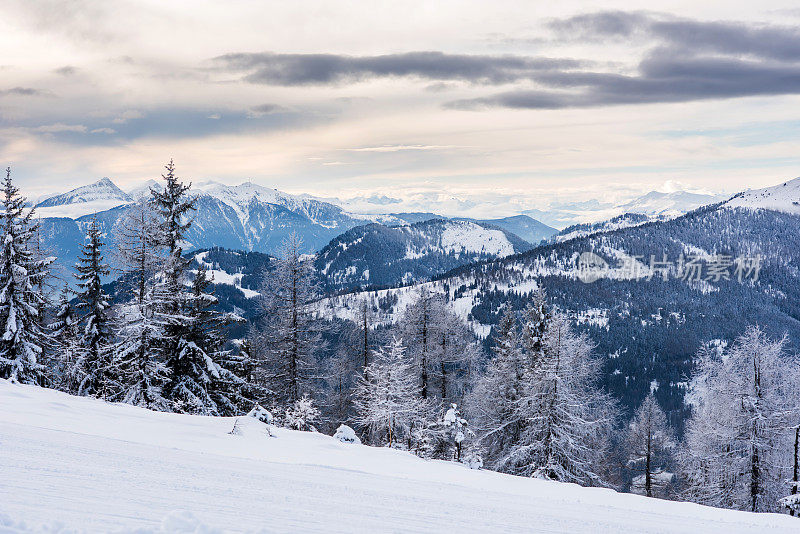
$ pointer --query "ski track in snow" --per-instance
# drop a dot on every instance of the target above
(73, 464)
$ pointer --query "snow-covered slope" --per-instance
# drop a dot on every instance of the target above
(378, 255)
(72, 464)
(783, 197)
(94, 198)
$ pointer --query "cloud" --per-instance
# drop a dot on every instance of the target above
(327, 69)
(723, 37)
(104, 131)
(23, 91)
(688, 61)
(66, 70)
(128, 115)
(398, 148)
(266, 109)
(61, 127)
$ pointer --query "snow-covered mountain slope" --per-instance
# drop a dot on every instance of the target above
(783, 197)
(143, 190)
(378, 255)
(647, 318)
(617, 223)
(75, 464)
(88, 199)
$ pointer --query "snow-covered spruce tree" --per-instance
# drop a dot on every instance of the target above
(302, 415)
(99, 376)
(289, 337)
(738, 443)
(65, 337)
(20, 302)
(139, 257)
(199, 383)
(535, 320)
(448, 436)
(493, 400)
(387, 396)
(567, 419)
(649, 443)
(173, 206)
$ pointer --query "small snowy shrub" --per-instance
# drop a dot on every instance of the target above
(345, 434)
(261, 414)
(302, 414)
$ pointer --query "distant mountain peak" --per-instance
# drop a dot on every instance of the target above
(98, 196)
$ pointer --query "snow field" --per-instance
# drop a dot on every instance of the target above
(73, 464)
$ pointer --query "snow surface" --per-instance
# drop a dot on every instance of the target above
(90, 466)
(783, 197)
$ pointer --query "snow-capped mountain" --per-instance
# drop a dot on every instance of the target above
(783, 197)
(93, 198)
(655, 205)
(664, 205)
(379, 255)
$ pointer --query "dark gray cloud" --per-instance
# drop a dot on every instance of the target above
(23, 91)
(723, 37)
(66, 70)
(688, 60)
(264, 109)
(321, 69)
(662, 80)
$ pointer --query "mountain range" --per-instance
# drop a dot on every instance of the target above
(245, 217)
(651, 308)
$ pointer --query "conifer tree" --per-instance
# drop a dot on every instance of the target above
(494, 399)
(99, 377)
(738, 444)
(20, 303)
(387, 396)
(290, 335)
(649, 441)
(199, 384)
(142, 368)
(64, 332)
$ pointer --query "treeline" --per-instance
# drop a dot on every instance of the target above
(536, 406)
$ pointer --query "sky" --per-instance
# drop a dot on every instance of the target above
(509, 105)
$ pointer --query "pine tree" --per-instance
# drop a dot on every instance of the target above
(174, 206)
(95, 341)
(290, 336)
(738, 444)
(20, 303)
(65, 335)
(141, 367)
(387, 396)
(417, 327)
(649, 442)
(494, 399)
(352, 356)
(567, 420)
(199, 383)
(456, 355)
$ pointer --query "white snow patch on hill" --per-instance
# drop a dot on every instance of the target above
(90, 466)
(470, 237)
(783, 197)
